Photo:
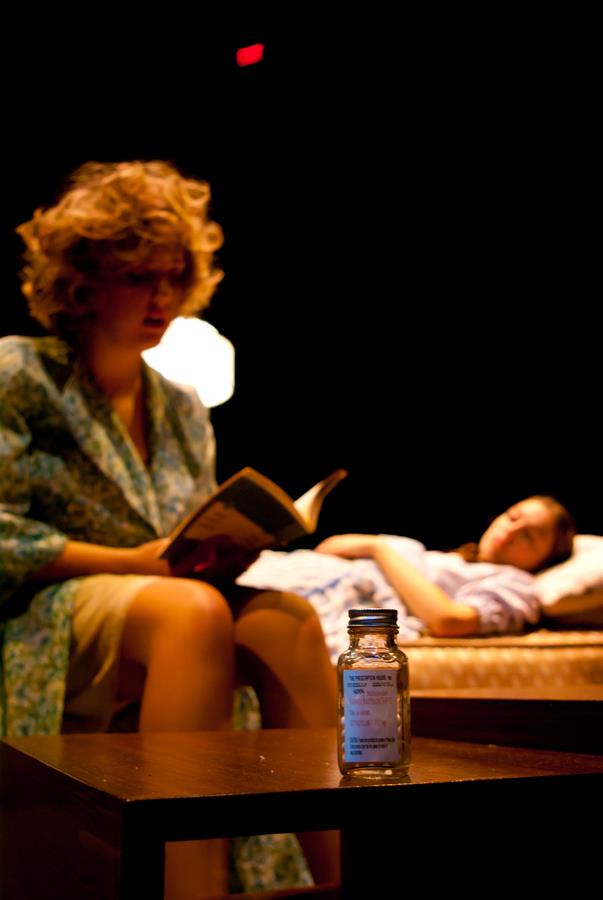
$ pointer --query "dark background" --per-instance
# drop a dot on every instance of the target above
(410, 249)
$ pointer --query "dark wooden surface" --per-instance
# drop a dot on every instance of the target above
(121, 769)
(87, 815)
(568, 718)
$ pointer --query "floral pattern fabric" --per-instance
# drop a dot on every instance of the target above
(69, 471)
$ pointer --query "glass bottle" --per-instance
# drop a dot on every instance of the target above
(373, 722)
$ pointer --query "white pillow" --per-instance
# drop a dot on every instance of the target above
(583, 571)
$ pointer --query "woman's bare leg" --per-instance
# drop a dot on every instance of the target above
(281, 647)
(181, 632)
(280, 641)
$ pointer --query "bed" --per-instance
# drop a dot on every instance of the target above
(565, 649)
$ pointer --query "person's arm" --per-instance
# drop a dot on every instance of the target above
(427, 601)
(78, 558)
(206, 561)
(574, 604)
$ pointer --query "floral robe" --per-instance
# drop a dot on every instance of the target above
(69, 470)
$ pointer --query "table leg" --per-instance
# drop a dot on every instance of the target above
(142, 868)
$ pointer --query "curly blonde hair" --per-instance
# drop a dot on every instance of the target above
(117, 213)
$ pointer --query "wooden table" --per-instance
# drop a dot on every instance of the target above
(86, 816)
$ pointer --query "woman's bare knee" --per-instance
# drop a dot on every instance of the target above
(269, 616)
(295, 606)
(310, 630)
(193, 611)
(196, 607)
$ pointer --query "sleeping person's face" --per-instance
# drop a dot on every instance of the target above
(523, 536)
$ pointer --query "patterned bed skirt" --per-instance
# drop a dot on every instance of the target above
(539, 658)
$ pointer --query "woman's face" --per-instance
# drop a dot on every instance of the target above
(522, 536)
(133, 308)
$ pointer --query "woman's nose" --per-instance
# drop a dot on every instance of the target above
(163, 290)
(514, 528)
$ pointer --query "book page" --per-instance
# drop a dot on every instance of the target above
(224, 519)
(251, 512)
(310, 503)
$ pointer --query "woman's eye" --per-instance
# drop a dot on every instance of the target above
(137, 277)
(151, 278)
(180, 277)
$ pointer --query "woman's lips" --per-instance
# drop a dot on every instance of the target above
(154, 321)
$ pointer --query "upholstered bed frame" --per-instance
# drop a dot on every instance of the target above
(541, 658)
(566, 649)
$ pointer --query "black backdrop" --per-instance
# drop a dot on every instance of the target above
(410, 257)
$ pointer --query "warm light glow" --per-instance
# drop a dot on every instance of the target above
(194, 352)
(247, 56)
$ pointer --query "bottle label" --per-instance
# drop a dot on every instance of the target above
(371, 715)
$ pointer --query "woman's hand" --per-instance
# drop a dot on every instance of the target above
(144, 559)
(350, 546)
(215, 559)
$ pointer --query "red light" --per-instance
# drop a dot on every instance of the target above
(247, 56)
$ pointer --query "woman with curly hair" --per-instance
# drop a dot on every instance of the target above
(100, 457)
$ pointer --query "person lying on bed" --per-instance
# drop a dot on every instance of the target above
(481, 588)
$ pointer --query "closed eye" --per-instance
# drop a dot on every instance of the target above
(180, 277)
(148, 277)
(138, 277)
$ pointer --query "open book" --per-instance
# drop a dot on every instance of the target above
(250, 512)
